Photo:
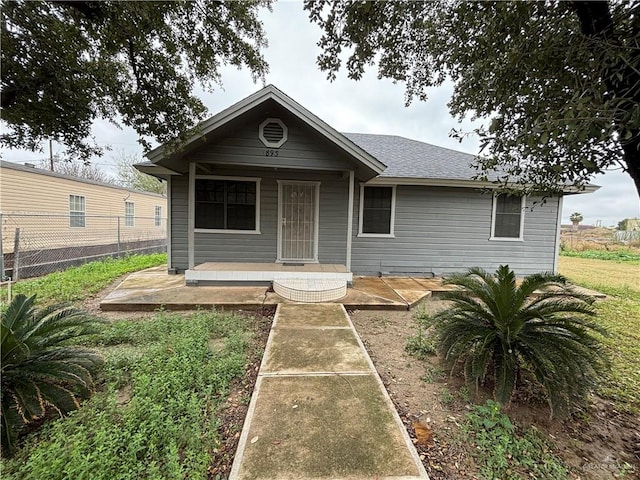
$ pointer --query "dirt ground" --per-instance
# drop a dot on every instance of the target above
(594, 447)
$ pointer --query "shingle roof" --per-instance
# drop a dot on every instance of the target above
(413, 159)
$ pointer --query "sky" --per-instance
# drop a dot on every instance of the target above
(370, 105)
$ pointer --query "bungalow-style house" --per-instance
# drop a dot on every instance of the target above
(267, 190)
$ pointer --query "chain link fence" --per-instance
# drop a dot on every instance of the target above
(36, 244)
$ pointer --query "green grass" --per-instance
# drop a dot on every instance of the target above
(620, 314)
(78, 283)
(176, 370)
(621, 255)
(506, 452)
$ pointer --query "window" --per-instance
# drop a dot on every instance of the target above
(77, 211)
(129, 214)
(508, 217)
(158, 216)
(226, 204)
(377, 210)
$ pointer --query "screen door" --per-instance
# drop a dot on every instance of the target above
(298, 221)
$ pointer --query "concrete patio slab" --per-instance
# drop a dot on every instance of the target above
(152, 289)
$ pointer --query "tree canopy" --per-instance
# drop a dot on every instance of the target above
(557, 84)
(128, 176)
(68, 63)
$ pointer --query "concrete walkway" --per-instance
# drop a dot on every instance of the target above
(319, 409)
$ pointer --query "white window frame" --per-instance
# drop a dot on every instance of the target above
(392, 222)
(157, 217)
(236, 179)
(83, 212)
(129, 218)
(523, 204)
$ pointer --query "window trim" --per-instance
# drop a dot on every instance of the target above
(233, 179)
(127, 216)
(84, 212)
(157, 216)
(523, 204)
(392, 222)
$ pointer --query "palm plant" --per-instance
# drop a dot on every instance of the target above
(41, 370)
(497, 327)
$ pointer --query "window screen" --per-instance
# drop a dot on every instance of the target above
(158, 216)
(77, 211)
(508, 214)
(129, 214)
(225, 204)
(376, 210)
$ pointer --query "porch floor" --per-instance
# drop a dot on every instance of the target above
(265, 272)
(151, 289)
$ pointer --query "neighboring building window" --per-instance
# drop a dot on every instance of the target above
(377, 210)
(158, 216)
(226, 204)
(77, 211)
(129, 214)
(508, 217)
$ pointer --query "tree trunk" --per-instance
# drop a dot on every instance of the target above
(620, 78)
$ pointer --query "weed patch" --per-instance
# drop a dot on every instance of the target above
(505, 452)
(156, 414)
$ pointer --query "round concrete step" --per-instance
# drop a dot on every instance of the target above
(310, 290)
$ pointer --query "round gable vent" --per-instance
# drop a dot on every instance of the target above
(273, 133)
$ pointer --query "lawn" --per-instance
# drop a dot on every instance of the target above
(620, 314)
(78, 283)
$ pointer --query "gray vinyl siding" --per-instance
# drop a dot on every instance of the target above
(445, 230)
(304, 148)
(227, 247)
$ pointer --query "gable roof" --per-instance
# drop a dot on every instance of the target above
(368, 162)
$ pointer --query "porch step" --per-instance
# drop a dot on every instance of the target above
(310, 290)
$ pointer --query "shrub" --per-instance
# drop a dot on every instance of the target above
(41, 371)
(494, 326)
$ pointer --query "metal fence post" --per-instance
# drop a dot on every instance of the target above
(118, 235)
(1, 250)
(16, 256)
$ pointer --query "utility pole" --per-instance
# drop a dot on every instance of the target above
(51, 154)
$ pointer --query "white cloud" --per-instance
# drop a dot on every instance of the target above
(368, 106)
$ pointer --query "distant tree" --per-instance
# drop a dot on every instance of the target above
(557, 83)
(129, 176)
(78, 169)
(68, 63)
(576, 218)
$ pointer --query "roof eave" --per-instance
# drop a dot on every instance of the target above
(463, 183)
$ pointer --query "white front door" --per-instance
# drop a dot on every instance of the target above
(298, 221)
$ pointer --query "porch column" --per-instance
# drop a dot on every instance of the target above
(191, 204)
(350, 219)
